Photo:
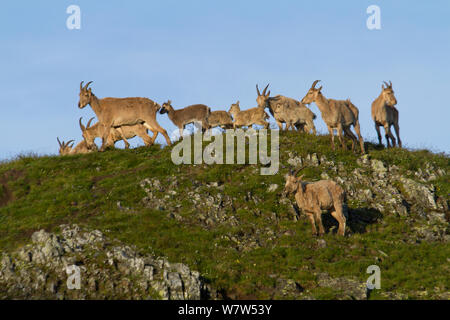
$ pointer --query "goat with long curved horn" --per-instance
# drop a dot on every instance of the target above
(89, 123)
(298, 170)
(82, 127)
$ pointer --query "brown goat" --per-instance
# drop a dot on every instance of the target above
(90, 133)
(289, 111)
(82, 148)
(118, 112)
(313, 197)
(385, 114)
(337, 114)
(248, 117)
(197, 113)
(294, 117)
(66, 148)
(220, 119)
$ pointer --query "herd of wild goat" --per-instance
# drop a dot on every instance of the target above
(125, 118)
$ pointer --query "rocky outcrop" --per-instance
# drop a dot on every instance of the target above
(374, 185)
(210, 205)
(108, 270)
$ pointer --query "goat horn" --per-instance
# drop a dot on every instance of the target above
(82, 127)
(298, 170)
(87, 85)
(257, 90)
(390, 84)
(89, 122)
(314, 84)
(59, 142)
(68, 142)
(264, 91)
(81, 85)
(386, 84)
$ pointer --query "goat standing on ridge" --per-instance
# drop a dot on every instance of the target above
(118, 112)
(197, 113)
(385, 114)
(287, 110)
(337, 114)
(248, 117)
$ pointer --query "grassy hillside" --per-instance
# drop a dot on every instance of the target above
(223, 220)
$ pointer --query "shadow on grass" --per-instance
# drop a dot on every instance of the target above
(357, 220)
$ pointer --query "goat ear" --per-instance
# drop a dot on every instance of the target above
(320, 89)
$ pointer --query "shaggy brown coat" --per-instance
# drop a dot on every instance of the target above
(289, 111)
(313, 197)
(220, 119)
(90, 133)
(384, 113)
(248, 117)
(118, 112)
(197, 113)
(337, 114)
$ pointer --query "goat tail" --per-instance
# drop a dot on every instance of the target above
(353, 108)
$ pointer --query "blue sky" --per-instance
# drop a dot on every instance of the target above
(214, 52)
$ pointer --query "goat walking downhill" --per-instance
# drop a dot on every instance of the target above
(337, 114)
(313, 197)
(384, 113)
(118, 112)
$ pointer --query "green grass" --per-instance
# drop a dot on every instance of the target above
(49, 191)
